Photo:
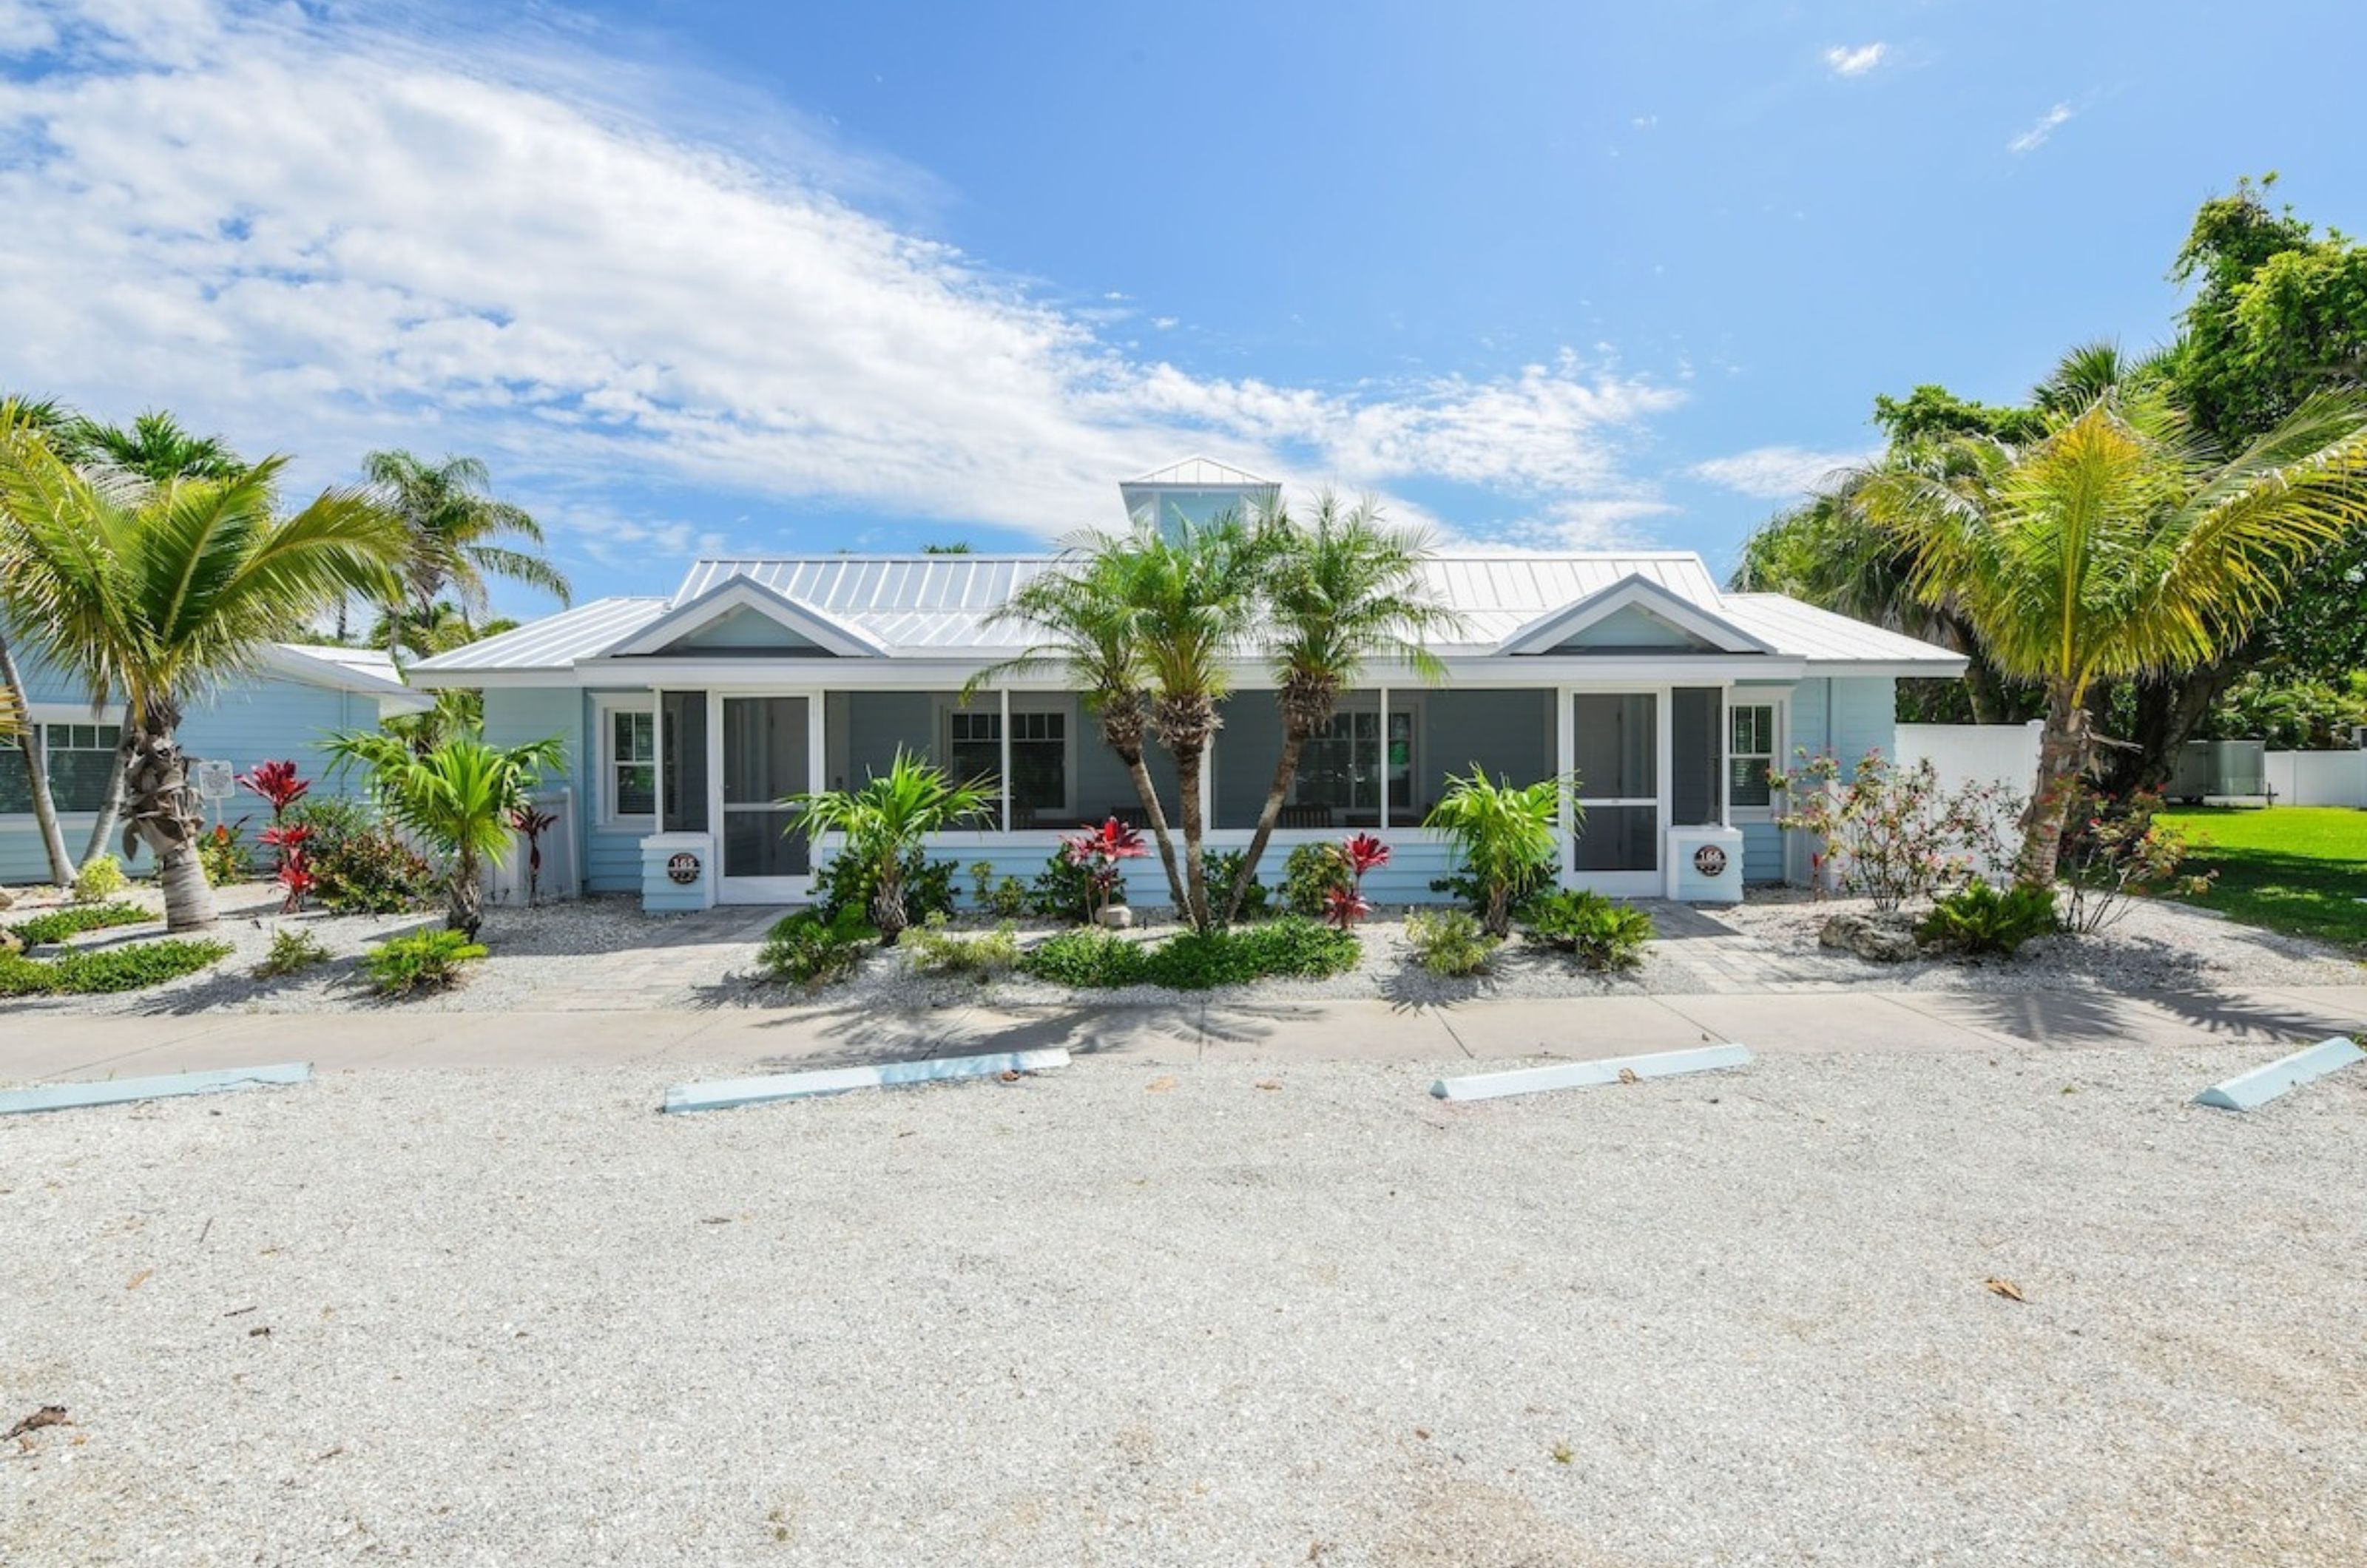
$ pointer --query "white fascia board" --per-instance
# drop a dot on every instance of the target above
(1558, 626)
(745, 593)
(472, 679)
(1939, 668)
(1624, 672)
(1627, 671)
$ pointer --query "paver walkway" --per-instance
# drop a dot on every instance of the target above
(1179, 1033)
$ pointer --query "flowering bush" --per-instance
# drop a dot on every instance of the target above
(295, 873)
(1344, 906)
(1889, 833)
(276, 782)
(1101, 854)
(223, 856)
(2113, 849)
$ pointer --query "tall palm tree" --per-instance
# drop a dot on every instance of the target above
(1339, 590)
(459, 795)
(1085, 609)
(457, 532)
(31, 419)
(2118, 544)
(159, 591)
(459, 710)
(154, 447)
(1193, 592)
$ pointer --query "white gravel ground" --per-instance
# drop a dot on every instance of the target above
(606, 953)
(1118, 1315)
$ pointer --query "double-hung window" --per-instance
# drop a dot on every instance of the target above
(1039, 756)
(630, 739)
(79, 758)
(1341, 765)
(1750, 756)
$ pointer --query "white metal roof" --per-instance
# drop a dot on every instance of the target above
(1201, 473)
(938, 605)
(366, 671)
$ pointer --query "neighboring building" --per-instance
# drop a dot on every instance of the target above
(687, 718)
(300, 693)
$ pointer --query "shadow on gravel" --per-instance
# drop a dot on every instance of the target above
(2103, 1018)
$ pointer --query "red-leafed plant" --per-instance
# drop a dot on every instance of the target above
(532, 825)
(276, 782)
(1343, 907)
(295, 873)
(1100, 853)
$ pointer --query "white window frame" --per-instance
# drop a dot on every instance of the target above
(1409, 704)
(1778, 726)
(603, 711)
(1019, 702)
(47, 717)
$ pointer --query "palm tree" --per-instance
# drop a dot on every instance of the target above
(1338, 592)
(2119, 544)
(159, 591)
(155, 447)
(1085, 607)
(39, 419)
(1194, 595)
(459, 795)
(459, 710)
(456, 529)
(889, 817)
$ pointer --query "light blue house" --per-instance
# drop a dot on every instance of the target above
(300, 693)
(688, 715)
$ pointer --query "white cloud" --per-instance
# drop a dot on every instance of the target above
(1775, 473)
(2031, 140)
(1846, 61)
(317, 237)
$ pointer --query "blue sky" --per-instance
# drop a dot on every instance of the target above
(698, 274)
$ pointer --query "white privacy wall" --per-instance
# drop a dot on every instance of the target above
(2318, 778)
(1974, 753)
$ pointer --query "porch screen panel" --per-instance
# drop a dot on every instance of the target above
(1615, 745)
(1695, 744)
(684, 748)
(764, 759)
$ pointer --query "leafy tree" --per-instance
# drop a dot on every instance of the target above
(1934, 413)
(159, 591)
(2117, 545)
(460, 796)
(42, 420)
(1339, 590)
(889, 817)
(461, 535)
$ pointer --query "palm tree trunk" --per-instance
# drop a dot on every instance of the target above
(37, 770)
(156, 789)
(1156, 815)
(2061, 757)
(1294, 744)
(464, 900)
(110, 800)
(1188, 757)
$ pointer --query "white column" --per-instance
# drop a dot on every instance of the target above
(1724, 738)
(657, 759)
(1004, 729)
(1565, 763)
(1384, 759)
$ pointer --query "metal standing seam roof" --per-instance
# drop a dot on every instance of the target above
(939, 605)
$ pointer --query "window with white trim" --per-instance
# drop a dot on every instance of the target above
(1039, 754)
(1750, 756)
(629, 764)
(1341, 765)
(80, 757)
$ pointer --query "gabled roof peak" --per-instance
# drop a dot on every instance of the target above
(1197, 472)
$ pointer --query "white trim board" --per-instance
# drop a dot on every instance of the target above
(726, 1094)
(1592, 1075)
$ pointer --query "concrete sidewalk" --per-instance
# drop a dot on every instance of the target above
(35, 1047)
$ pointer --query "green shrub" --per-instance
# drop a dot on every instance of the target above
(1087, 958)
(359, 867)
(223, 856)
(293, 950)
(1195, 961)
(1005, 898)
(423, 961)
(101, 877)
(1982, 918)
(107, 969)
(76, 918)
(811, 948)
(1449, 942)
(987, 956)
(1604, 933)
(1063, 890)
(1500, 831)
(1468, 889)
(1223, 868)
(848, 883)
(1310, 875)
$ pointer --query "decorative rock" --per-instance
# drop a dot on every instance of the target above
(7, 900)
(1116, 917)
(1879, 937)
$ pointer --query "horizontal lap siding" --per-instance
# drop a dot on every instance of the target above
(517, 715)
(1413, 864)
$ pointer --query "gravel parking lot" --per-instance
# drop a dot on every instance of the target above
(1219, 1316)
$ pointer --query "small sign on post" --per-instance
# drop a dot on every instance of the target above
(215, 779)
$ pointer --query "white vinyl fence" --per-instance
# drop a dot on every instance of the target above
(2318, 778)
(1974, 753)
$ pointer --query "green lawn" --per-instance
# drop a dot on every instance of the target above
(2300, 869)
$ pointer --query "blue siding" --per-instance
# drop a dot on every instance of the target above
(1848, 716)
(254, 721)
(515, 714)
